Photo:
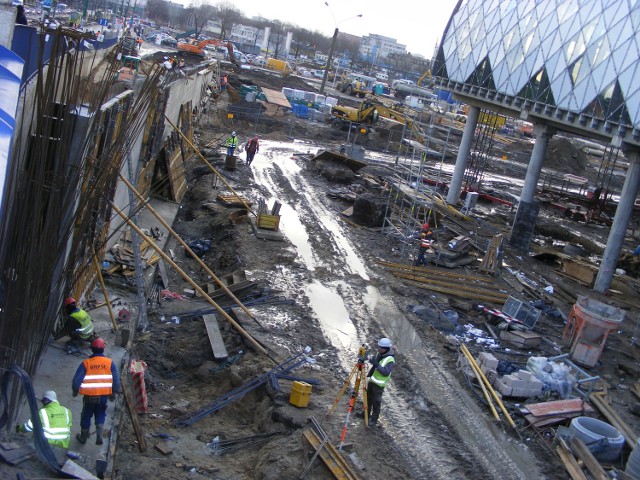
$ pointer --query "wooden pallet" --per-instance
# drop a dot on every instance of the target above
(233, 200)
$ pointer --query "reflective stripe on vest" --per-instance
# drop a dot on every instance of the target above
(425, 243)
(97, 380)
(60, 433)
(377, 377)
(86, 325)
(232, 142)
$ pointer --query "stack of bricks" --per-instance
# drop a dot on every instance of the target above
(488, 365)
(519, 384)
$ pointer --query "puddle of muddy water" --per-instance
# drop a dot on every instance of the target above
(335, 321)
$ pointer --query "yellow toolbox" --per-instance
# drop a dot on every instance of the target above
(300, 393)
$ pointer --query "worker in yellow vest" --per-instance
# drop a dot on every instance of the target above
(382, 365)
(98, 380)
(55, 419)
(79, 325)
(231, 143)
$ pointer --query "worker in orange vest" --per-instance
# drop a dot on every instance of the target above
(426, 237)
(98, 380)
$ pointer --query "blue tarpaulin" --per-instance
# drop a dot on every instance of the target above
(11, 67)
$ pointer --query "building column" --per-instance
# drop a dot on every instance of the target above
(620, 223)
(464, 153)
(8, 20)
(524, 222)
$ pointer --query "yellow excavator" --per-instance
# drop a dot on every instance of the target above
(369, 112)
(425, 75)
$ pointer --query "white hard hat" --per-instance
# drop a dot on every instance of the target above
(233, 134)
(50, 395)
(384, 343)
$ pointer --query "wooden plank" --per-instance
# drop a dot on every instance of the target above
(76, 471)
(584, 454)
(331, 457)
(570, 463)
(559, 407)
(162, 268)
(215, 337)
(142, 442)
(613, 418)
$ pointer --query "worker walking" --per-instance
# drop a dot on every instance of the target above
(55, 420)
(98, 380)
(231, 144)
(78, 326)
(252, 147)
(382, 365)
(426, 237)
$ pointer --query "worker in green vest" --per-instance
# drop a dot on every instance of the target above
(382, 365)
(55, 419)
(79, 325)
(231, 144)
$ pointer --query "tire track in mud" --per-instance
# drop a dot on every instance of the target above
(435, 424)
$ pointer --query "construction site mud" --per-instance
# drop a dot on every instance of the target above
(320, 283)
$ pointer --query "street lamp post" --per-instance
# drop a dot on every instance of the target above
(332, 47)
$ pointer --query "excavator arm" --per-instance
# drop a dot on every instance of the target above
(425, 75)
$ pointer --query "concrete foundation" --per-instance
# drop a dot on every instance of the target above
(524, 225)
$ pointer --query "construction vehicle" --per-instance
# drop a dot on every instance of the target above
(281, 66)
(356, 84)
(128, 72)
(402, 88)
(425, 76)
(197, 48)
(369, 112)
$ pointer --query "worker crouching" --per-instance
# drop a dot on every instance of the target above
(382, 365)
(78, 326)
(98, 380)
(55, 420)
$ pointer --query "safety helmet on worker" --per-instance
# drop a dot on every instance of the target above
(69, 301)
(384, 343)
(49, 395)
(425, 226)
(98, 343)
(233, 134)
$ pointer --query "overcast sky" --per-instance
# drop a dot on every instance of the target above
(418, 24)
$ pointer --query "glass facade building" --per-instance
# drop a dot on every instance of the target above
(573, 62)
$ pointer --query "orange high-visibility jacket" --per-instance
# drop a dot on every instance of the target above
(98, 379)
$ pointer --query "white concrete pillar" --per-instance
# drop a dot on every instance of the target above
(620, 222)
(524, 222)
(543, 134)
(464, 152)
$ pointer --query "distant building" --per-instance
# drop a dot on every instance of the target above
(376, 48)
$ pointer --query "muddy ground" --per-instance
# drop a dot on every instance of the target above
(320, 286)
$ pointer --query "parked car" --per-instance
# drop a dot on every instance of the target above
(165, 39)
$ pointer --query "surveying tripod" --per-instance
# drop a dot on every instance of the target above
(359, 372)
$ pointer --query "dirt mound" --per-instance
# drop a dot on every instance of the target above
(561, 155)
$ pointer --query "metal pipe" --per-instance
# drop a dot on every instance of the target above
(464, 348)
(197, 287)
(475, 369)
(104, 292)
(175, 235)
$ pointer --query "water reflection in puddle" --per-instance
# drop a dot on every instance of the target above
(334, 318)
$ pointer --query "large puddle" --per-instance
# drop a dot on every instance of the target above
(406, 415)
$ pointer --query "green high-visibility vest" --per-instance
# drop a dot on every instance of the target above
(378, 378)
(86, 324)
(56, 422)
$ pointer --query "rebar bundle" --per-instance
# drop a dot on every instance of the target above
(63, 171)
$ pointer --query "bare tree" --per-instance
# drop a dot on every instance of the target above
(158, 10)
(229, 16)
(277, 38)
(199, 13)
